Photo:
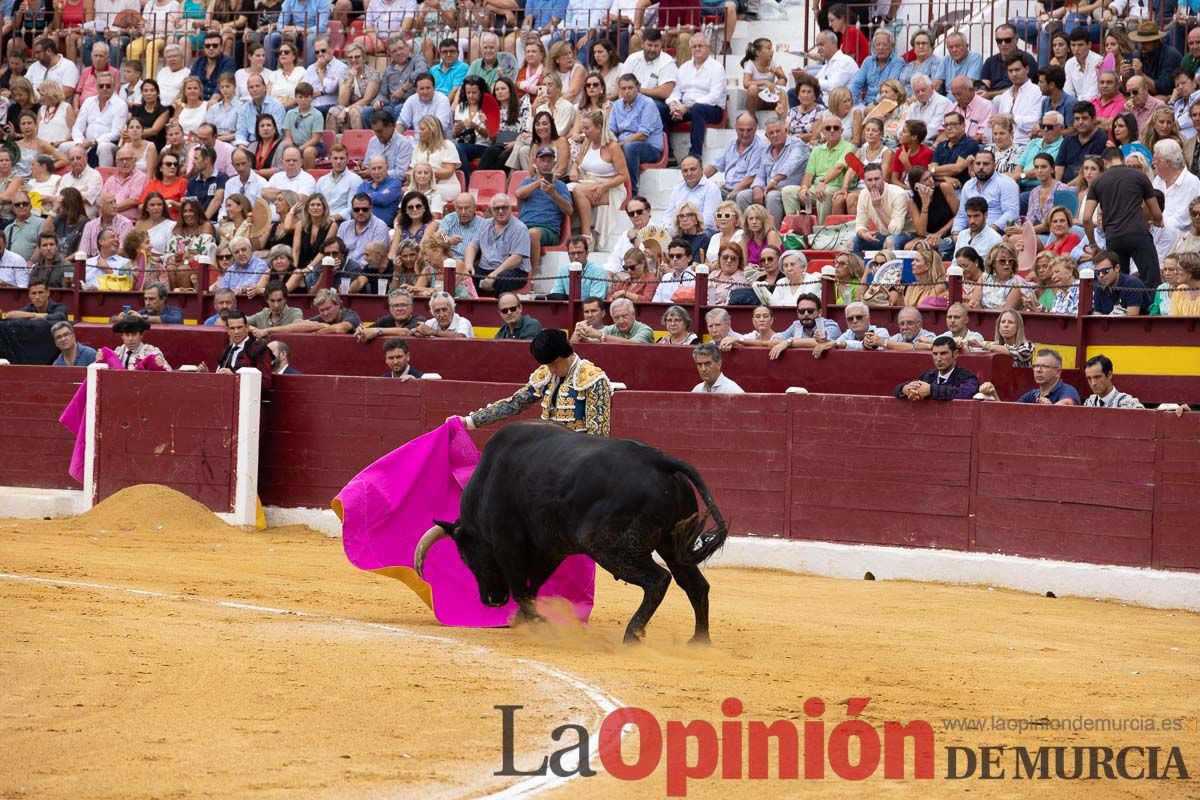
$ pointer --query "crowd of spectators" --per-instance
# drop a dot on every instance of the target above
(159, 139)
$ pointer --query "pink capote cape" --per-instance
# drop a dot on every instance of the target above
(72, 416)
(387, 507)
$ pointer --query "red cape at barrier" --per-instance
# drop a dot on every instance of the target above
(387, 507)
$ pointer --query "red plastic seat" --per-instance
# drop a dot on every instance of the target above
(662, 162)
(838, 219)
(485, 183)
(517, 177)
(356, 143)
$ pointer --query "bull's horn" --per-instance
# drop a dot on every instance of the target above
(431, 536)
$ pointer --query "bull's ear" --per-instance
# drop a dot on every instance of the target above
(449, 527)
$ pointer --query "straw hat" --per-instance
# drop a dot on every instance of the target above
(1147, 31)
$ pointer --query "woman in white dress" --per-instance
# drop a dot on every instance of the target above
(286, 77)
(190, 108)
(56, 116)
(255, 65)
(435, 150)
(600, 175)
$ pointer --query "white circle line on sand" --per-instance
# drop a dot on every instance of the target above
(530, 787)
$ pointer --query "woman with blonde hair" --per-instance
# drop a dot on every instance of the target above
(600, 176)
(529, 76)
(356, 91)
(1002, 286)
(1064, 277)
(566, 67)
(1162, 125)
(314, 229)
(190, 108)
(841, 105)
(413, 273)
(1185, 300)
(1010, 338)
(237, 218)
(893, 120)
(1007, 152)
(849, 281)
(689, 226)
(728, 219)
(928, 290)
(56, 117)
(760, 232)
(439, 153)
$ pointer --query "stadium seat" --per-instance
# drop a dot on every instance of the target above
(515, 180)
(318, 172)
(485, 183)
(799, 223)
(821, 254)
(1068, 200)
(838, 219)
(105, 172)
(356, 143)
(462, 180)
(328, 139)
(662, 162)
(815, 264)
(491, 112)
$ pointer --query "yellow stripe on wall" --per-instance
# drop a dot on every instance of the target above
(1143, 360)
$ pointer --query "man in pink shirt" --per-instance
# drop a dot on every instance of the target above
(976, 109)
(107, 218)
(126, 185)
(1141, 102)
(1110, 101)
(87, 79)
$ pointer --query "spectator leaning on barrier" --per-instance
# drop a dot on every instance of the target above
(625, 328)
(516, 324)
(809, 329)
(399, 321)
(712, 380)
(859, 335)
(592, 323)
(946, 381)
(40, 305)
(1047, 371)
(330, 317)
(445, 324)
(912, 335)
(224, 301)
(71, 353)
(277, 312)
(395, 353)
(156, 311)
(1099, 372)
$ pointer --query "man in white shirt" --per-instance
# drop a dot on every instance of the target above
(928, 106)
(82, 177)
(837, 70)
(882, 205)
(656, 72)
(1082, 67)
(292, 176)
(1022, 101)
(171, 76)
(425, 100)
(325, 75)
(708, 363)
(244, 181)
(14, 270)
(699, 94)
(48, 65)
(695, 189)
(978, 235)
(1179, 186)
(100, 121)
(679, 262)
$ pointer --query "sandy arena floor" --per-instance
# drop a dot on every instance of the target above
(197, 686)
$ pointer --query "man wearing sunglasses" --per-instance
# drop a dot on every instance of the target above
(638, 210)
(809, 329)
(1114, 292)
(994, 74)
(99, 123)
(212, 64)
(516, 324)
(679, 262)
(22, 233)
(860, 334)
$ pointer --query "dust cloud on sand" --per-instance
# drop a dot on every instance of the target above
(108, 694)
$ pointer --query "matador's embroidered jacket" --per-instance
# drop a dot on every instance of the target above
(582, 400)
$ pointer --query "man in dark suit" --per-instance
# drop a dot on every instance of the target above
(395, 352)
(946, 381)
(282, 358)
(243, 349)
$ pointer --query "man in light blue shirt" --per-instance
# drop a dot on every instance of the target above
(362, 228)
(325, 76)
(386, 142)
(782, 164)
(426, 100)
(463, 226)
(695, 189)
(636, 124)
(959, 60)
(259, 103)
(339, 184)
(864, 86)
(448, 73)
(246, 269)
(1000, 191)
(912, 335)
(741, 158)
(860, 333)
(594, 278)
(810, 327)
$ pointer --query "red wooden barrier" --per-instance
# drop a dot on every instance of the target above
(1103, 486)
(175, 429)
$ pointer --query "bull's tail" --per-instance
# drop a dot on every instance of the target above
(693, 544)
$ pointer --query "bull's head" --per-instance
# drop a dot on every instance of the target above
(476, 552)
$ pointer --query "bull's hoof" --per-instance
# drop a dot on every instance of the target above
(633, 637)
(700, 640)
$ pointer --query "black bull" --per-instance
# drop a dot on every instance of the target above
(541, 493)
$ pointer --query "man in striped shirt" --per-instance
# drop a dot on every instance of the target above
(1099, 372)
